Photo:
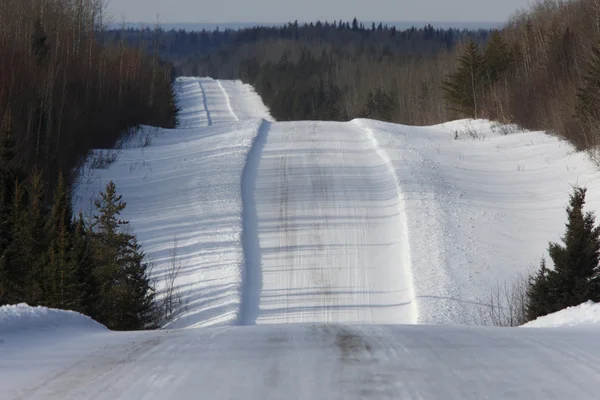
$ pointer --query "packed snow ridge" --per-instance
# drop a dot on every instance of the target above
(334, 239)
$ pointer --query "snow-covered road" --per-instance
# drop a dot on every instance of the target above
(330, 228)
(307, 362)
(332, 239)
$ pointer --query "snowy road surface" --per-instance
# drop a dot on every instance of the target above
(333, 239)
(330, 228)
(308, 362)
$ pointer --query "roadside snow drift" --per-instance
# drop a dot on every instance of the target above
(22, 319)
(334, 239)
(583, 315)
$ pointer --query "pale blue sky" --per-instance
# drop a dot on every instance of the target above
(312, 10)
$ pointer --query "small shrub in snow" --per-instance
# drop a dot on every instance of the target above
(507, 304)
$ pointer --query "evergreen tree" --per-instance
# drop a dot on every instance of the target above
(81, 264)
(138, 293)
(33, 240)
(576, 275)
(9, 174)
(62, 287)
(7, 181)
(463, 88)
(12, 279)
(539, 302)
(125, 297)
(574, 279)
(497, 58)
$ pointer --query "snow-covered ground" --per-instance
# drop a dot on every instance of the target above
(308, 361)
(183, 190)
(355, 230)
(586, 315)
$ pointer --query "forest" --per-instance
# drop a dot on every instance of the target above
(327, 71)
(64, 92)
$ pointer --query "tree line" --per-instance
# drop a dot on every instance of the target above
(324, 70)
(179, 45)
(65, 91)
(48, 258)
(541, 73)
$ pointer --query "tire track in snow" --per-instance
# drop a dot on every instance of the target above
(251, 267)
(208, 117)
(228, 101)
(405, 242)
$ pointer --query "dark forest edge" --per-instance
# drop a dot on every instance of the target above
(63, 93)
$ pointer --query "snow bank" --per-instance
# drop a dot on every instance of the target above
(21, 317)
(586, 314)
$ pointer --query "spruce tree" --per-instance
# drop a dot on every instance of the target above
(33, 240)
(139, 293)
(62, 286)
(7, 181)
(14, 280)
(539, 301)
(81, 265)
(125, 297)
(463, 88)
(574, 279)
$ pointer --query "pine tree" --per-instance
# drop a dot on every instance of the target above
(7, 180)
(125, 297)
(139, 294)
(13, 277)
(539, 301)
(574, 279)
(463, 88)
(9, 174)
(61, 283)
(82, 266)
(30, 234)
